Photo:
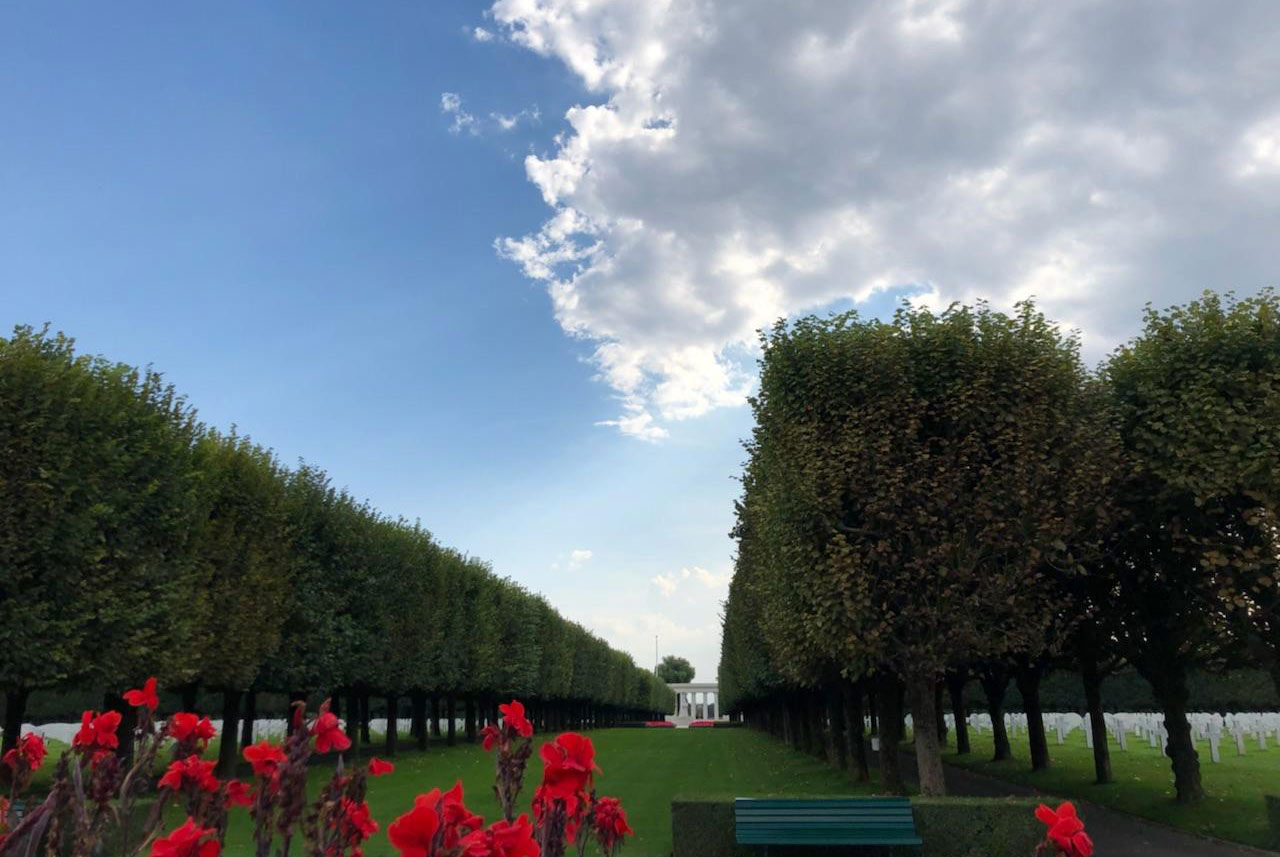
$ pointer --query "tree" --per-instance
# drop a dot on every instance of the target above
(243, 546)
(96, 491)
(675, 670)
(1198, 399)
(902, 478)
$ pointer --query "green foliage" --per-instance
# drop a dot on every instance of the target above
(675, 670)
(242, 543)
(96, 498)
(136, 542)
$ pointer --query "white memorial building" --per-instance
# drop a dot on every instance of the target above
(695, 700)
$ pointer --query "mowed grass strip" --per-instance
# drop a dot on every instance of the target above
(1235, 808)
(646, 768)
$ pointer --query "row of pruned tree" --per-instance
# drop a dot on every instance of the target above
(949, 496)
(135, 541)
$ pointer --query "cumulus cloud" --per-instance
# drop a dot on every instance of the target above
(669, 582)
(480, 34)
(461, 120)
(578, 558)
(741, 160)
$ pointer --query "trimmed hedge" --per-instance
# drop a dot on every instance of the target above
(950, 827)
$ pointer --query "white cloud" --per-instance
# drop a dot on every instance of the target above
(711, 580)
(480, 34)
(578, 558)
(667, 583)
(746, 159)
(451, 105)
(505, 122)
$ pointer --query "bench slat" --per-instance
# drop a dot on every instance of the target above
(837, 821)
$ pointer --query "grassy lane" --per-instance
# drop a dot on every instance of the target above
(1143, 785)
(645, 768)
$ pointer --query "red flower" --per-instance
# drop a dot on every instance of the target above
(377, 767)
(186, 727)
(413, 834)
(97, 732)
(144, 698)
(265, 757)
(185, 842)
(238, 794)
(354, 819)
(567, 767)
(503, 839)
(328, 731)
(190, 771)
(1066, 830)
(457, 819)
(610, 823)
(490, 735)
(513, 718)
(29, 753)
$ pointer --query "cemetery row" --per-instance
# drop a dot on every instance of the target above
(952, 499)
(136, 541)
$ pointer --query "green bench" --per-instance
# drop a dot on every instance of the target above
(837, 821)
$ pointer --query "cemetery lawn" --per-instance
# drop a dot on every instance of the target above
(646, 768)
(1234, 808)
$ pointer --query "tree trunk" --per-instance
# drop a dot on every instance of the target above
(890, 722)
(1097, 722)
(392, 737)
(227, 749)
(1028, 679)
(15, 709)
(839, 755)
(1169, 682)
(955, 686)
(853, 728)
(419, 715)
(435, 715)
(450, 713)
(189, 693)
(873, 708)
(364, 717)
(469, 723)
(128, 725)
(994, 684)
(924, 715)
(353, 717)
(250, 715)
(940, 712)
(817, 717)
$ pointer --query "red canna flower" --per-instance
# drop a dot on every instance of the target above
(568, 764)
(502, 839)
(353, 821)
(513, 718)
(489, 736)
(413, 834)
(97, 732)
(190, 771)
(238, 794)
(1066, 830)
(28, 755)
(456, 818)
(377, 767)
(190, 728)
(185, 842)
(609, 824)
(265, 757)
(144, 698)
(328, 731)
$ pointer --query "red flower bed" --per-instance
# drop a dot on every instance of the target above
(702, 724)
(659, 724)
(92, 792)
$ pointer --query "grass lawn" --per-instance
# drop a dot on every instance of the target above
(1234, 808)
(646, 768)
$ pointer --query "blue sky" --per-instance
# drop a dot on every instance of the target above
(312, 218)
